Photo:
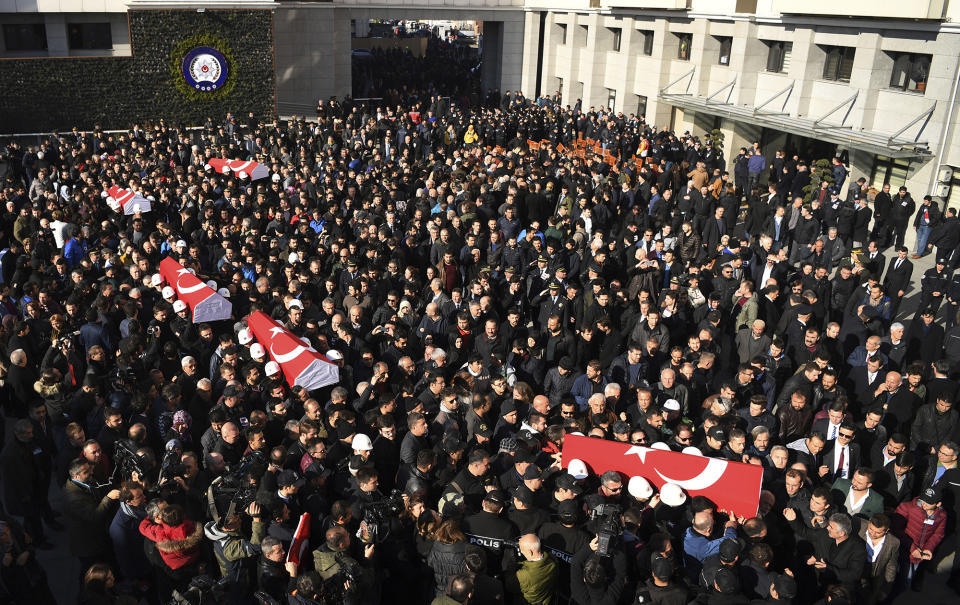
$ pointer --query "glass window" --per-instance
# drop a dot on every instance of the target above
(838, 64)
(25, 36)
(616, 33)
(89, 36)
(611, 98)
(778, 56)
(683, 49)
(910, 71)
(890, 170)
(641, 106)
(726, 45)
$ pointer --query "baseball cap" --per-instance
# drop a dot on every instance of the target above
(289, 477)
(532, 472)
(577, 469)
(256, 350)
(244, 336)
(568, 509)
(181, 243)
(450, 504)
(361, 442)
(496, 497)
(523, 495)
(620, 427)
(567, 482)
(717, 433)
(661, 568)
(317, 469)
(726, 581)
(567, 363)
(179, 306)
(930, 496)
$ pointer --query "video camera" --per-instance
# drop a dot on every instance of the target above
(376, 516)
(234, 491)
(171, 467)
(127, 462)
(608, 525)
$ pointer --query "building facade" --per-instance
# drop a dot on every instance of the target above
(877, 80)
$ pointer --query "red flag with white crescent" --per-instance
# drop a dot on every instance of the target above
(301, 364)
(128, 201)
(204, 302)
(732, 486)
(301, 540)
(254, 170)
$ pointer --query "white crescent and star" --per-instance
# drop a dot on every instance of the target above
(189, 289)
(707, 477)
(282, 358)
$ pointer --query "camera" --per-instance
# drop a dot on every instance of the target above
(607, 524)
(170, 467)
(376, 516)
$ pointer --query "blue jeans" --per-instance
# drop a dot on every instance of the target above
(923, 234)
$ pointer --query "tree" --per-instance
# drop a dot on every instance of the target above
(822, 170)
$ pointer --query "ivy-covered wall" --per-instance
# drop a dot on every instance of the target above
(41, 95)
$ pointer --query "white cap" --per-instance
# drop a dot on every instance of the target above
(136, 208)
(334, 355)
(179, 306)
(272, 368)
(639, 488)
(224, 292)
(660, 445)
(292, 258)
(212, 284)
(242, 174)
(295, 304)
(671, 405)
(244, 336)
(672, 495)
(577, 469)
(226, 170)
(104, 194)
(361, 442)
(157, 279)
(167, 292)
(181, 243)
(256, 350)
(275, 178)
(692, 451)
(207, 167)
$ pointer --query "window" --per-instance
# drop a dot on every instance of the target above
(726, 45)
(585, 33)
(641, 106)
(89, 36)
(890, 170)
(563, 33)
(646, 42)
(683, 49)
(615, 32)
(778, 57)
(25, 36)
(560, 87)
(838, 64)
(611, 98)
(910, 71)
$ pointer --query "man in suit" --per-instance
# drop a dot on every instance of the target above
(896, 480)
(898, 278)
(861, 221)
(856, 496)
(839, 553)
(842, 456)
(713, 230)
(900, 213)
(864, 381)
(897, 402)
(925, 338)
(883, 553)
(875, 261)
(882, 205)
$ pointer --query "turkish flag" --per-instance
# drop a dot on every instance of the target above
(254, 170)
(204, 302)
(732, 486)
(301, 540)
(301, 364)
(128, 202)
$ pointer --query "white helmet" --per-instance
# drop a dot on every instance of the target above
(672, 495)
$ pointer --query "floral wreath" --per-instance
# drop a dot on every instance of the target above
(176, 60)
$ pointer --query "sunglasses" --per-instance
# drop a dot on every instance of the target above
(846, 435)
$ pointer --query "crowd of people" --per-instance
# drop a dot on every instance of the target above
(482, 299)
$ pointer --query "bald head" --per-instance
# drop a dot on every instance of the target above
(530, 547)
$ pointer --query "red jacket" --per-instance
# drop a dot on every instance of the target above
(913, 530)
(179, 545)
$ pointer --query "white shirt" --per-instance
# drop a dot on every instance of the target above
(853, 503)
(846, 460)
(873, 550)
(832, 430)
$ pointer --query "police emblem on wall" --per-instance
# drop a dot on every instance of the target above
(205, 69)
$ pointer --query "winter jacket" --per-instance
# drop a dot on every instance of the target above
(911, 527)
(697, 547)
(178, 545)
(231, 548)
(128, 542)
(86, 518)
(446, 560)
(536, 580)
(931, 428)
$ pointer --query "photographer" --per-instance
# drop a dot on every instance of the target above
(275, 576)
(86, 514)
(232, 548)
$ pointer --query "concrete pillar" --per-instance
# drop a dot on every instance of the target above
(511, 59)
(57, 43)
(490, 74)
(532, 47)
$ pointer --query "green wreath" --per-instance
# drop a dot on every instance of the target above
(188, 44)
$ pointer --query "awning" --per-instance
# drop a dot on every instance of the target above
(879, 143)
